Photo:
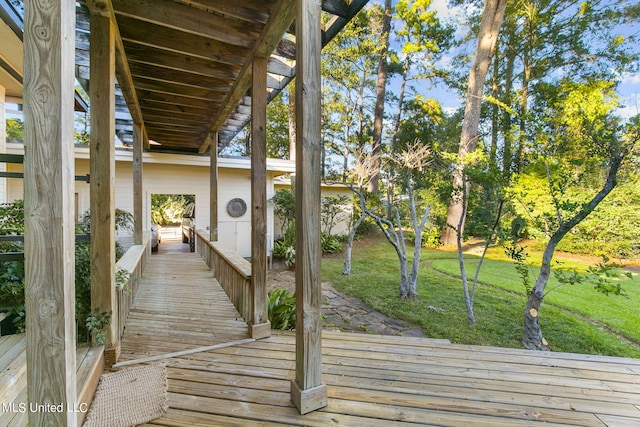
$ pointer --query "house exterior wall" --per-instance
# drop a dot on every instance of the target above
(175, 174)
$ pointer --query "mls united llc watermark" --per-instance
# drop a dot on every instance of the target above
(32, 407)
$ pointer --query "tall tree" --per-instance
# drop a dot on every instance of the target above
(381, 85)
(492, 16)
(348, 87)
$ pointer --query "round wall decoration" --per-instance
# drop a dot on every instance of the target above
(236, 207)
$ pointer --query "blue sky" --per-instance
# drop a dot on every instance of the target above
(629, 87)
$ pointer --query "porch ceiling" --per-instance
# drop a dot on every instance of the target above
(184, 66)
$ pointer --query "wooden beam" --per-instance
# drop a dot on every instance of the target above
(336, 7)
(138, 143)
(105, 8)
(308, 392)
(337, 23)
(178, 61)
(49, 210)
(102, 171)
(181, 16)
(259, 326)
(180, 41)
(279, 20)
(213, 188)
(3, 145)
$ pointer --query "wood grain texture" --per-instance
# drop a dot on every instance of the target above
(213, 187)
(308, 174)
(384, 381)
(179, 306)
(138, 144)
(259, 314)
(13, 379)
(102, 170)
(279, 21)
(49, 199)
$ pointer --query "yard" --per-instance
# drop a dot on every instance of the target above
(574, 319)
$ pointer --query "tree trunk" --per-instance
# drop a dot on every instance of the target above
(376, 145)
(492, 16)
(418, 228)
(495, 110)
(346, 268)
(533, 338)
(506, 118)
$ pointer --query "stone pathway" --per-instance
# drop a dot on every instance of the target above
(345, 313)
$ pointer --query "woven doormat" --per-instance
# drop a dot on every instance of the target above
(129, 397)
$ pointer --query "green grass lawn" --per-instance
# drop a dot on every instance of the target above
(499, 304)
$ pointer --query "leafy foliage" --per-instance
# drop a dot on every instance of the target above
(166, 209)
(15, 130)
(282, 309)
(278, 125)
(284, 202)
(12, 273)
(332, 210)
(95, 324)
(330, 244)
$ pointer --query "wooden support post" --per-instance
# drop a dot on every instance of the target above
(3, 144)
(102, 169)
(49, 212)
(308, 392)
(138, 136)
(213, 187)
(259, 324)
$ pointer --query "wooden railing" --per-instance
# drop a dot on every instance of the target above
(132, 262)
(231, 270)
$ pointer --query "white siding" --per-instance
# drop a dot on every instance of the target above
(163, 174)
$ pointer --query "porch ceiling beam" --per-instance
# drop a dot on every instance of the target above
(336, 7)
(245, 10)
(171, 14)
(337, 23)
(105, 8)
(280, 19)
(178, 77)
(180, 41)
(179, 61)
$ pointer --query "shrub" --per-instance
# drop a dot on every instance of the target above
(330, 244)
(282, 310)
(12, 273)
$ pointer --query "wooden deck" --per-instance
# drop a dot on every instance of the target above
(394, 381)
(13, 378)
(372, 380)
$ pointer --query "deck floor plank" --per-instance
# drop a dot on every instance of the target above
(372, 380)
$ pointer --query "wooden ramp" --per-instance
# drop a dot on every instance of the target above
(179, 306)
